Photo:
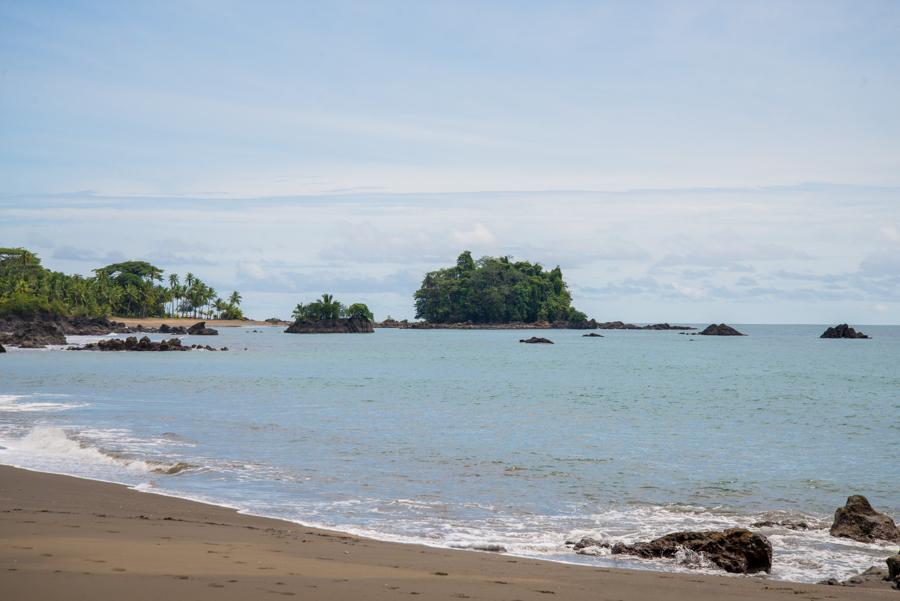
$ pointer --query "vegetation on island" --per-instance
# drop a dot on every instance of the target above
(495, 290)
(127, 289)
(327, 307)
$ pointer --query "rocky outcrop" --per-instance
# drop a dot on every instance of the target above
(34, 334)
(348, 325)
(536, 340)
(720, 330)
(734, 550)
(592, 335)
(859, 521)
(167, 329)
(842, 331)
(133, 344)
(2, 350)
(619, 325)
(200, 329)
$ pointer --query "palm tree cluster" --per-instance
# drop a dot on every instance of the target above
(128, 289)
(327, 307)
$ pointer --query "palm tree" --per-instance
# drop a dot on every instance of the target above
(235, 298)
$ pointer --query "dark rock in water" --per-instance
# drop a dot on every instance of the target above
(720, 330)
(586, 543)
(619, 325)
(167, 329)
(34, 334)
(734, 550)
(592, 335)
(200, 329)
(133, 344)
(536, 340)
(857, 520)
(665, 326)
(346, 325)
(789, 524)
(842, 331)
(2, 350)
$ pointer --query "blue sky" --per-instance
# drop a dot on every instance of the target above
(694, 161)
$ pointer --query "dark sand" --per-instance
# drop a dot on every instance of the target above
(67, 538)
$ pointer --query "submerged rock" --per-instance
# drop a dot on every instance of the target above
(592, 335)
(789, 524)
(842, 331)
(720, 330)
(859, 521)
(734, 550)
(536, 340)
(346, 325)
(200, 329)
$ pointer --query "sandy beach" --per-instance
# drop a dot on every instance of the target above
(69, 538)
(155, 322)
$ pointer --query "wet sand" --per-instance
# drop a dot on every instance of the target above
(68, 538)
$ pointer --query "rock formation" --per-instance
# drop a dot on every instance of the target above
(842, 331)
(347, 325)
(619, 325)
(857, 520)
(2, 350)
(734, 550)
(720, 330)
(536, 340)
(200, 329)
(167, 329)
(34, 334)
(592, 335)
(133, 344)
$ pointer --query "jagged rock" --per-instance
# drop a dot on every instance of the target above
(133, 344)
(592, 335)
(619, 325)
(2, 350)
(200, 329)
(720, 330)
(734, 550)
(167, 329)
(857, 520)
(842, 331)
(588, 542)
(34, 334)
(347, 325)
(536, 340)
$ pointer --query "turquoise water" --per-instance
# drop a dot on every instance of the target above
(470, 439)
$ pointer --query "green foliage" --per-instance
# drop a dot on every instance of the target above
(494, 290)
(328, 308)
(128, 289)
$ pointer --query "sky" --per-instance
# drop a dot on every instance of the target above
(681, 161)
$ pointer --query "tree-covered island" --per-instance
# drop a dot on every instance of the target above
(327, 315)
(496, 290)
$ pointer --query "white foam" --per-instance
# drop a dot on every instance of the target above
(12, 403)
(46, 446)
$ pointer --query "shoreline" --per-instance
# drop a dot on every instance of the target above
(61, 534)
(155, 322)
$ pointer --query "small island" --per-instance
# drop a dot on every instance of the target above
(496, 292)
(329, 316)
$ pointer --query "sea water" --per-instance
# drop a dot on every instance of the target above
(469, 439)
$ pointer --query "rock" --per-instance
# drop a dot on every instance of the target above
(874, 578)
(588, 542)
(789, 524)
(893, 564)
(2, 350)
(347, 325)
(857, 520)
(34, 334)
(200, 329)
(133, 344)
(734, 550)
(167, 329)
(842, 331)
(536, 340)
(619, 325)
(592, 335)
(720, 330)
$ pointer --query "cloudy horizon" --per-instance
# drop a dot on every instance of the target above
(681, 161)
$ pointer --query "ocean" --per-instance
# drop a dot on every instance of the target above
(468, 439)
